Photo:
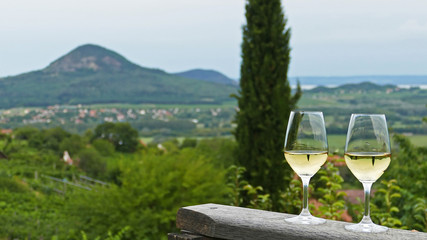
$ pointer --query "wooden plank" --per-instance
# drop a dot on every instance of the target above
(228, 222)
(188, 236)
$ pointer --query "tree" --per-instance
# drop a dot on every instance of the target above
(265, 99)
(121, 135)
(49, 139)
(73, 144)
(92, 163)
(104, 147)
(25, 133)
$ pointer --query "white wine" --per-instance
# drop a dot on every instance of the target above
(367, 166)
(306, 163)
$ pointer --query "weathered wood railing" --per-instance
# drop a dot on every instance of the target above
(213, 221)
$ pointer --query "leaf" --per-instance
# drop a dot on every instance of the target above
(324, 178)
(382, 190)
(395, 195)
(338, 205)
(394, 209)
(341, 194)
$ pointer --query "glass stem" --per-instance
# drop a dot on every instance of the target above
(305, 182)
(367, 189)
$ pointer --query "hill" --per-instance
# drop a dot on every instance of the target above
(377, 79)
(208, 76)
(405, 107)
(92, 74)
(364, 87)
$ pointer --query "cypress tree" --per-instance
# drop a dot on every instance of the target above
(264, 99)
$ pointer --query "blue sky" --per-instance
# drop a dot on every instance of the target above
(329, 37)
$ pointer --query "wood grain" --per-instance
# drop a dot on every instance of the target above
(228, 222)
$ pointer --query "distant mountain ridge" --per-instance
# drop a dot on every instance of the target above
(207, 75)
(92, 74)
(377, 79)
(364, 86)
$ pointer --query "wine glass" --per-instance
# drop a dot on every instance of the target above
(306, 150)
(367, 155)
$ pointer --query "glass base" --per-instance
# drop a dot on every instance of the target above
(305, 218)
(366, 225)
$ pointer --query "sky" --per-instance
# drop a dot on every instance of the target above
(329, 37)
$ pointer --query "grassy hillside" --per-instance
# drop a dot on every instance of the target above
(404, 108)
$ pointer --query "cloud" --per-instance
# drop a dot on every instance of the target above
(413, 26)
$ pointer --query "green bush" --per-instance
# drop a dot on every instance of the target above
(104, 147)
(12, 185)
(121, 135)
(153, 189)
(331, 198)
(91, 162)
(189, 143)
(73, 144)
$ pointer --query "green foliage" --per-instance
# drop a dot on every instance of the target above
(170, 146)
(409, 161)
(292, 197)
(153, 188)
(412, 211)
(408, 167)
(220, 150)
(256, 197)
(189, 143)
(7, 146)
(49, 139)
(27, 215)
(419, 213)
(121, 135)
(12, 185)
(384, 205)
(110, 236)
(73, 144)
(91, 162)
(147, 187)
(104, 147)
(236, 184)
(240, 188)
(332, 200)
(145, 191)
(25, 133)
(265, 98)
